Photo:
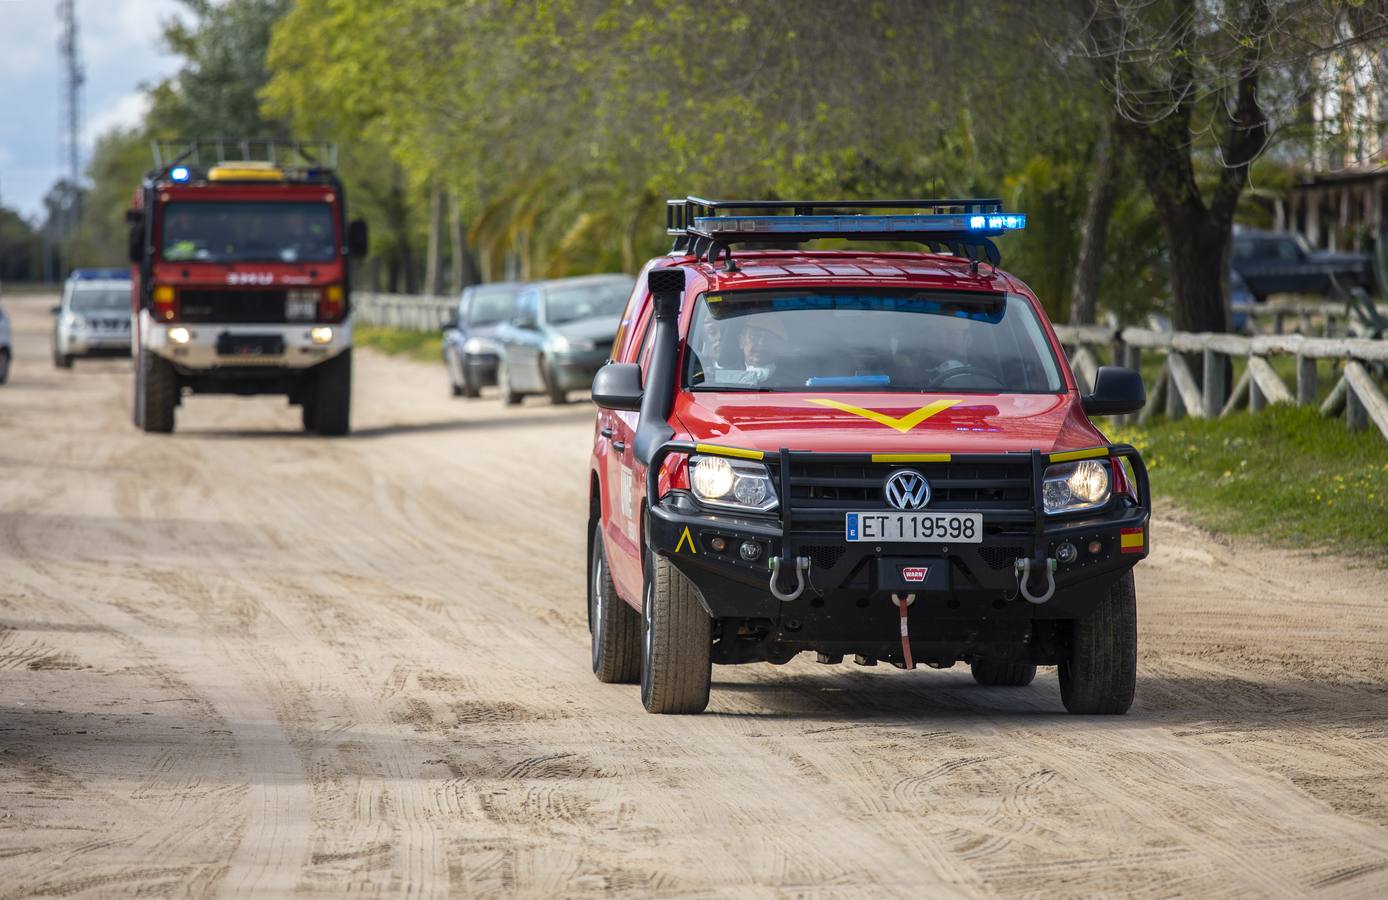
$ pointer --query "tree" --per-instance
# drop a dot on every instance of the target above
(1205, 85)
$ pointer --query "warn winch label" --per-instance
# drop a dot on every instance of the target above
(915, 574)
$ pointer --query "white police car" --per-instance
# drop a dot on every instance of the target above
(94, 316)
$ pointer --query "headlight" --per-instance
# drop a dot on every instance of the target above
(75, 322)
(1076, 485)
(179, 335)
(477, 346)
(734, 484)
(561, 344)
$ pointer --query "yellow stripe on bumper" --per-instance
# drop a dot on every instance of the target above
(1078, 454)
(738, 452)
(910, 457)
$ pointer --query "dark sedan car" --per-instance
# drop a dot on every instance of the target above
(1279, 262)
(559, 335)
(470, 350)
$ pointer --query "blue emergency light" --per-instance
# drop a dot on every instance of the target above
(179, 173)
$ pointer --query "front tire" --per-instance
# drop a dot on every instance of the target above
(676, 640)
(156, 394)
(615, 626)
(61, 360)
(331, 405)
(4, 365)
(503, 381)
(1100, 677)
(999, 673)
(557, 395)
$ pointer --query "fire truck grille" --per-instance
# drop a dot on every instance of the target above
(834, 487)
(221, 306)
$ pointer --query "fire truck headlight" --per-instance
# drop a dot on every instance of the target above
(321, 334)
(179, 335)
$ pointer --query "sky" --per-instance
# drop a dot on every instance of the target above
(120, 47)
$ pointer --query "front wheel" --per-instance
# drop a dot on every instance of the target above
(4, 365)
(557, 395)
(615, 626)
(156, 393)
(331, 401)
(503, 381)
(1100, 677)
(61, 360)
(676, 641)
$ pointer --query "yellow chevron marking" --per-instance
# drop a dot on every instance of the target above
(685, 537)
(738, 452)
(903, 424)
(1079, 454)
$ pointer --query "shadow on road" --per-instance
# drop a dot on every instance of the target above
(577, 413)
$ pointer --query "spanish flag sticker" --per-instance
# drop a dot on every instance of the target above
(1132, 540)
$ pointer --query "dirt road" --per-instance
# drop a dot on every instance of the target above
(241, 661)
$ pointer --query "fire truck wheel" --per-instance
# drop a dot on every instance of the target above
(676, 641)
(332, 396)
(1100, 676)
(999, 673)
(309, 410)
(616, 627)
(156, 394)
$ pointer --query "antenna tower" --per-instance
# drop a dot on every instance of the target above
(73, 77)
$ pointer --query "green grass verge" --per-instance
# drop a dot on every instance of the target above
(426, 346)
(1286, 474)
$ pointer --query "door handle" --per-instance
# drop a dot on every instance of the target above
(606, 432)
(619, 446)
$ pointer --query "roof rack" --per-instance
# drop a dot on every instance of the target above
(291, 154)
(706, 229)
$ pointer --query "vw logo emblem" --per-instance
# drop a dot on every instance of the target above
(906, 489)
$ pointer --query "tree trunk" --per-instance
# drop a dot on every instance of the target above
(1199, 274)
(433, 269)
(461, 261)
(1103, 193)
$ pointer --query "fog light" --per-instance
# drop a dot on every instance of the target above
(1096, 547)
(718, 544)
(1066, 553)
(751, 551)
(321, 334)
(180, 335)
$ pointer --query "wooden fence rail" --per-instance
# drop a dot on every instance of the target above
(407, 311)
(1178, 392)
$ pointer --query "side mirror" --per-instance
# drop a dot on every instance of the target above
(618, 386)
(357, 238)
(137, 242)
(450, 320)
(1116, 391)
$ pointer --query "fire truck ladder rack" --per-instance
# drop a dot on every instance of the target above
(289, 154)
(706, 229)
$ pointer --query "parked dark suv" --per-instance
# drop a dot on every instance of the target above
(1280, 262)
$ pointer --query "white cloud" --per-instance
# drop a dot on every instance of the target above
(124, 112)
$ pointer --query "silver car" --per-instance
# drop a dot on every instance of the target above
(559, 335)
(94, 316)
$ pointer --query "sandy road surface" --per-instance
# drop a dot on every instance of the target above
(242, 661)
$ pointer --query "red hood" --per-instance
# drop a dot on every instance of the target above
(964, 423)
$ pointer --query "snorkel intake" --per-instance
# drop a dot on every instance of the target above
(658, 398)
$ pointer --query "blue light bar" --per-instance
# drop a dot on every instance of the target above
(179, 173)
(941, 224)
(99, 275)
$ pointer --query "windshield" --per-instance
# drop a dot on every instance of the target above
(490, 305)
(869, 340)
(585, 301)
(99, 300)
(218, 231)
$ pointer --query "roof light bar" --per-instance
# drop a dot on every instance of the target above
(828, 226)
(179, 173)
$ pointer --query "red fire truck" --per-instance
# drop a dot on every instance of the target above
(240, 278)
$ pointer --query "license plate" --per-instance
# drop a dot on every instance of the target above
(250, 345)
(904, 527)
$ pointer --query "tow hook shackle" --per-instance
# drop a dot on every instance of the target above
(1023, 569)
(802, 565)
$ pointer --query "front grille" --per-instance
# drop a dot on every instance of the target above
(983, 487)
(1001, 557)
(824, 556)
(223, 306)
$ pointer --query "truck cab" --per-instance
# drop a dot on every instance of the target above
(241, 281)
(868, 453)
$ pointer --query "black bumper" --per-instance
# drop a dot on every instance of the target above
(967, 599)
